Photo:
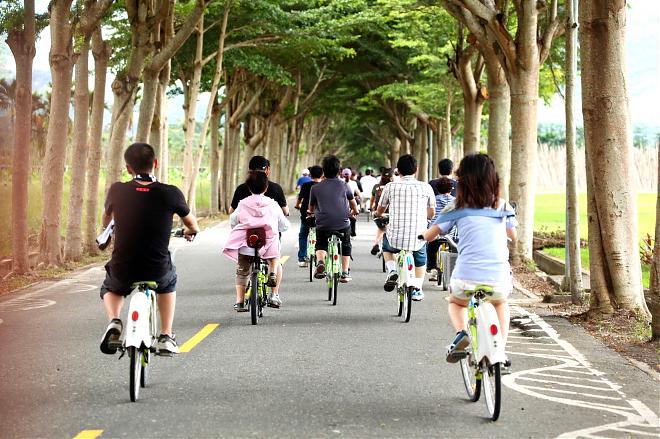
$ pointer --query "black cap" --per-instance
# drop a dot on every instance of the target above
(258, 163)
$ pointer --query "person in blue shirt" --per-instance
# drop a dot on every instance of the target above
(304, 178)
(483, 255)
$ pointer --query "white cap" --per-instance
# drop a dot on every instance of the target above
(305, 171)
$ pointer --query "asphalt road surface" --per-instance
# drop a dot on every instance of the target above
(307, 370)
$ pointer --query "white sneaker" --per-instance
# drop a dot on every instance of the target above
(274, 300)
(302, 264)
(418, 295)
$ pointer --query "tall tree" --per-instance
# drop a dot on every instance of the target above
(615, 268)
(101, 51)
(653, 298)
(21, 37)
(522, 48)
(573, 257)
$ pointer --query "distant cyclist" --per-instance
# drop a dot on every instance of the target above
(274, 191)
(368, 182)
(376, 192)
(446, 169)
(332, 202)
(316, 172)
(304, 178)
(142, 210)
(411, 204)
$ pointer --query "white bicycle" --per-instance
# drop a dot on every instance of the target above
(406, 283)
(141, 335)
(485, 355)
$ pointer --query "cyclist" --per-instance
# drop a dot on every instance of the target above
(446, 168)
(483, 255)
(142, 210)
(347, 175)
(304, 178)
(368, 182)
(376, 192)
(274, 191)
(411, 203)
(316, 173)
(443, 197)
(255, 211)
(332, 202)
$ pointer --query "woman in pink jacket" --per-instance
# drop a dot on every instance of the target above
(255, 211)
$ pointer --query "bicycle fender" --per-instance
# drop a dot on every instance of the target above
(137, 322)
(490, 343)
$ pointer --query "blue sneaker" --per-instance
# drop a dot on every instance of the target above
(456, 350)
(418, 295)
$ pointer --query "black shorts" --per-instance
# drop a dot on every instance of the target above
(322, 237)
(166, 283)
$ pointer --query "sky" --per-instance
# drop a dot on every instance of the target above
(642, 64)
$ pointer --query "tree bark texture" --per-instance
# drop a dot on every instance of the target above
(499, 107)
(22, 45)
(214, 159)
(573, 258)
(101, 51)
(73, 243)
(613, 243)
(164, 150)
(61, 68)
(653, 297)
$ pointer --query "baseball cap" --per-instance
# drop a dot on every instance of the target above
(305, 171)
(258, 163)
(346, 173)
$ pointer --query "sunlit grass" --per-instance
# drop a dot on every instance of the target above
(558, 252)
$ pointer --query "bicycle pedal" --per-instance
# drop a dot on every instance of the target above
(165, 354)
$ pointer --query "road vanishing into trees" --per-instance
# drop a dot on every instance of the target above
(307, 370)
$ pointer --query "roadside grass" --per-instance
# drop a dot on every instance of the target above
(550, 213)
(558, 252)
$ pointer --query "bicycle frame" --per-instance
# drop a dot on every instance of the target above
(333, 264)
(141, 322)
(406, 264)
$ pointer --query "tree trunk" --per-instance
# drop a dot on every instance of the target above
(614, 258)
(21, 43)
(61, 68)
(164, 160)
(191, 110)
(499, 106)
(573, 273)
(73, 241)
(214, 159)
(472, 129)
(653, 298)
(101, 52)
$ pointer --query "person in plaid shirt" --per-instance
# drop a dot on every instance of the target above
(411, 204)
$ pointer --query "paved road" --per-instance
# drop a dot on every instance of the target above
(308, 370)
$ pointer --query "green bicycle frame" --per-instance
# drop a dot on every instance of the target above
(333, 261)
(472, 327)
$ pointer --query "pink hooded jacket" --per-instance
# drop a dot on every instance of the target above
(254, 212)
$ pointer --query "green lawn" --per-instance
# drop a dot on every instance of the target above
(558, 252)
(550, 213)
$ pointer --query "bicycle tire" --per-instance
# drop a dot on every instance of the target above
(254, 297)
(407, 304)
(399, 298)
(312, 263)
(492, 389)
(144, 373)
(383, 259)
(134, 374)
(335, 286)
(472, 384)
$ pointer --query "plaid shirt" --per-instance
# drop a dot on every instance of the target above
(408, 200)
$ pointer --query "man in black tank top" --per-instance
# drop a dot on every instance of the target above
(142, 210)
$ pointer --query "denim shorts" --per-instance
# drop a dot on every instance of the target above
(166, 283)
(419, 256)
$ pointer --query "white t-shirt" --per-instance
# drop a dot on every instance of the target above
(368, 182)
(352, 184)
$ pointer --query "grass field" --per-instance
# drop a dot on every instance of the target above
(550, 213)
(558, 252)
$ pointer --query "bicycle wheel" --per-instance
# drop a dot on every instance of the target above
(134, 376)
(144, 373)
(472, 384)
(312, 263)
(383, 259)
(399, 299)
(335, 284)
(492, 389)
(407, 304)
(254, 297)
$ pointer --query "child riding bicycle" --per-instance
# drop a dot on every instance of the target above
(484, 222)
(254, 212)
